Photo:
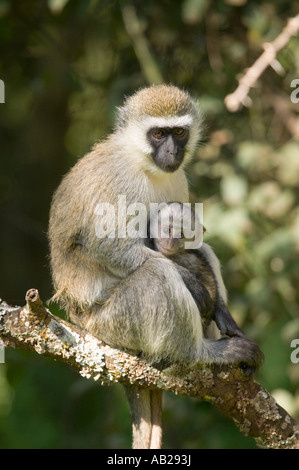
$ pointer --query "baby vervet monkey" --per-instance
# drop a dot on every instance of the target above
(177, 227)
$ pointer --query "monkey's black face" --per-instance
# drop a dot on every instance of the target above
(168, 144)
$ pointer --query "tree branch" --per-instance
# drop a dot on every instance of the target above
(240, 95)
(140, 44)
(253, 409)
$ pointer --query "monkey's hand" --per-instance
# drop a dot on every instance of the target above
(235, 350)
(225, 321)
(252, 358)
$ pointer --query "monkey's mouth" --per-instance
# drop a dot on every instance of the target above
(172, 168)
(169, 167)
(168, 163)
(168, 251)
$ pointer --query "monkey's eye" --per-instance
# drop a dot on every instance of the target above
(179, 235)
(158, 133)
(166, 230)
(180, 132)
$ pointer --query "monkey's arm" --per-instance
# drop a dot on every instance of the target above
(209, 309)
(221, 314)
(198, 291)
(123, 258)
(225, 321)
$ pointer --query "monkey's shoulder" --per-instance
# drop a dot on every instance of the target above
(95, 161)
(90, 176)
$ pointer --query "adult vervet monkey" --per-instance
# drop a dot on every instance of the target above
(119, 290)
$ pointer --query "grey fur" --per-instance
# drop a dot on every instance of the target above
(117, 288)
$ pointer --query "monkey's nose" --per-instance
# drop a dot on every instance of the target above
(170, 148)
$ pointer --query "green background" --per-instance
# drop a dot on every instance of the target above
(66, 65)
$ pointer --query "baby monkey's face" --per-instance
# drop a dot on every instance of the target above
(176, 228)
(170, 239)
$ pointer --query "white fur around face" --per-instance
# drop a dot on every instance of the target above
(175, 121)
(134, 137)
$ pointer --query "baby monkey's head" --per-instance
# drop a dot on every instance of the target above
(176, 227)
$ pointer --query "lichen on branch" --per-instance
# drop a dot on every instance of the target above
(238, 396)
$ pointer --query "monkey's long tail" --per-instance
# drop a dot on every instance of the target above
(232, 350)
(146, 413)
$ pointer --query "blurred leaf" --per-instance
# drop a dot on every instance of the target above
(277, 243)
(194, 10)
(287, 161)
(234, 189)
(6, 393)
(56, 6)
(231, 226)
(270, 200)
(285, 399)
(255, 157)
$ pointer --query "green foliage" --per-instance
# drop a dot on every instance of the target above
(66, 65)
